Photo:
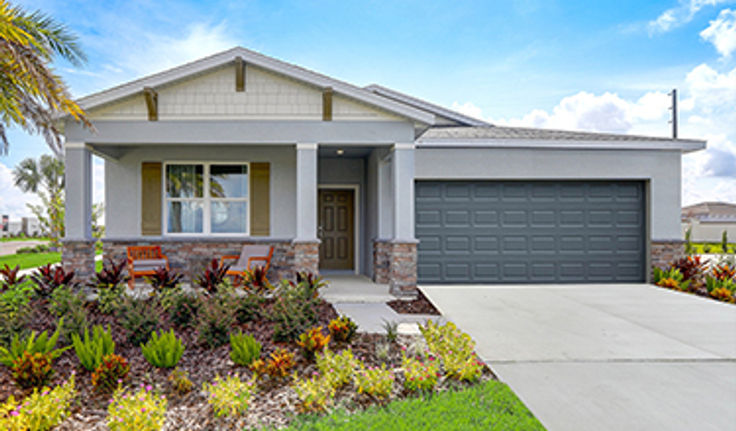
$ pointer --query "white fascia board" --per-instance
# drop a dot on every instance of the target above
(683, 145)
(260, 60)
(427, 106)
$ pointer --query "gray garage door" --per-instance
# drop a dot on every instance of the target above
(531, 231)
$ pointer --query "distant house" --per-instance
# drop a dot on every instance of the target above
(28, 226)
(708, 220)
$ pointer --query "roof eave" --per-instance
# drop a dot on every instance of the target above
(683, 145)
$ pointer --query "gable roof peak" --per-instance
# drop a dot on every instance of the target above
(265, 62)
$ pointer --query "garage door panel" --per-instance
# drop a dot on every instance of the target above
(538, 231)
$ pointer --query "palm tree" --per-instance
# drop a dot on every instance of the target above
(32, 96)
(45, 177)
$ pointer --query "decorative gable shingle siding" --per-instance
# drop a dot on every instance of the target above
(267, 96)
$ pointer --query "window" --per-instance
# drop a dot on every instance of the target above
(206, 198)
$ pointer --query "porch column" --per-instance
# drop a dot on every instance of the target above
(402, 174)
(306, 244)
(78, 249)
(400, 254)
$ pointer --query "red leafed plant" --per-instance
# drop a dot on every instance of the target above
(214, 274)
(313, 341)
(111, 275)
(690, 267)
(723, 271)
(48, 278)
(256, 280)
(111, 370)
(10, 277)
(163, 279)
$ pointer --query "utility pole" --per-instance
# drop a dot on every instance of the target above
(674, 112)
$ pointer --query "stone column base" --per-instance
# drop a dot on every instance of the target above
(664, 252)
(79, 256)
(306, 256)
(395, 264)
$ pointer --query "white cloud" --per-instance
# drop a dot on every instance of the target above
(163, 51)
(722, 32)
(681, 14)
(707, 112)
(12, 199)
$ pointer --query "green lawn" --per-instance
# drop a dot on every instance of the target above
(488, 406)
(715, 247)
(30, 260)
(24, 238)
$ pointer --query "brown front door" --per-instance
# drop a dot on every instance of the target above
(336, 229)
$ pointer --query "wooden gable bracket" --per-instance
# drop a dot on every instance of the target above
(239, 74)
(327, 104)
(151, 103)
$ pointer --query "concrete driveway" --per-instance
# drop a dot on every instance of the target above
(605, 357)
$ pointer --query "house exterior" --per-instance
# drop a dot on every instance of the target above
(708, 220)
(241, 148)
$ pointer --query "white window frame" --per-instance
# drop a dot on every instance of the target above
(206, 199)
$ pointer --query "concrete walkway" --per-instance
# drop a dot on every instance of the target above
(605, 357)
(364, 301)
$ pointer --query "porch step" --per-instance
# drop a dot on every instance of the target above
(353, 288)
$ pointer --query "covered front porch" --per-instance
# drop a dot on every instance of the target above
(343, 205)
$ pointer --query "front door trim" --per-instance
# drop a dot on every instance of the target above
(356, 217)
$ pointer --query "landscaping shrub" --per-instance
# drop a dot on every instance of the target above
(111, 372)
(256, 280)
(33, 344)
(139, 318)
(392, 330)
(9, 277)
(68, 304)
(33, 370)
(180, 382)
(244, 349)
(455, 348)
(723, 271)
(230, 396)
(294, 311)
(183, 309)
(420, 376)
(14, 309)
(337, 368)
(248, 307)
(278, 364)
(691, 267)
(376, 382)
(164, 278)
(671, 278)
(343, 329)
(215, 317)
(309, 283)
(110, 285)
(50, 277)
(40, 411)
(315, 393)
(722, 289)
(212, 276)
(313, 341)
(163, 350)
(90, 351)
(140, 411)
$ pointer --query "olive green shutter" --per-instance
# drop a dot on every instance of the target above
(151, 198)
(260, 212)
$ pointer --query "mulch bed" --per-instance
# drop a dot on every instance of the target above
(420, 305)
(274, 404)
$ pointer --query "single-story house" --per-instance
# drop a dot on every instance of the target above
(708, 220)
(240, 148)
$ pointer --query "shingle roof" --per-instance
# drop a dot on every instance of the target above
(504, 132)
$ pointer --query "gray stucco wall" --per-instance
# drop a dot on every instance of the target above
(123, 182)
(661, 168)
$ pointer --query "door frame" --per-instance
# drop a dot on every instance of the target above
(355, 188)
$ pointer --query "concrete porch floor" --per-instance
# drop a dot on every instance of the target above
(354, 288)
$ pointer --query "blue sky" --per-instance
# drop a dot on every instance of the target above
(603, 66)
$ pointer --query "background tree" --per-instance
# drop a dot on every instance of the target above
(45, 178)
(32, 96)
